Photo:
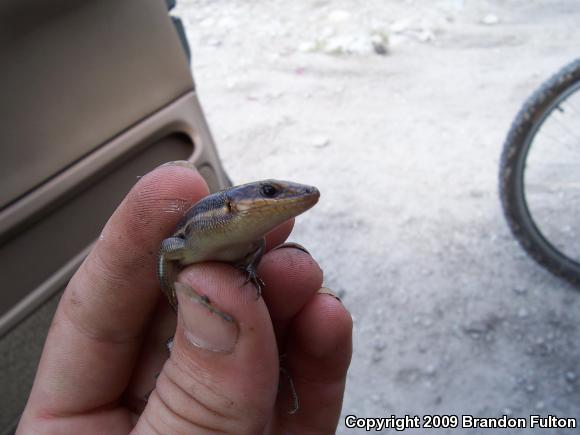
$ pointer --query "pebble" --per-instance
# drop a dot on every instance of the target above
(475, 329)
(380, 345)
(426, 35)
(320, 141)
(400, 26)
(376, 398)
(208, 22)
(379, 48)
(530, 388)
(474, 193)
(379, 40)
(227, 23)
(213, 42)
(338, 45)
(338, 16)
(490, 20)
(307, 46)
(571, 376)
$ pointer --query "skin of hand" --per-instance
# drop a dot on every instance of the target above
(105, 350)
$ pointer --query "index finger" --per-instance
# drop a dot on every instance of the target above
(97, 330)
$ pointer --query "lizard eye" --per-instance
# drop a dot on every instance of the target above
(268, 190)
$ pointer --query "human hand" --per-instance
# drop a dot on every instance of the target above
(107, 340)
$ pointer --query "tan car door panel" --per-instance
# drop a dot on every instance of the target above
(94, 95)
(78, 79)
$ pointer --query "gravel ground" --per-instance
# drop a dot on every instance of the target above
(397, 111)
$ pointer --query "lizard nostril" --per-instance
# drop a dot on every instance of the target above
(310, 190)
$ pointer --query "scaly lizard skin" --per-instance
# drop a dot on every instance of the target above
(229, 226)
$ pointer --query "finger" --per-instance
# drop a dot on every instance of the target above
(97, 331)
(223, 370)
(285, 298)
(201, 388)
(319, 350)
(154, 351)
(279, 234)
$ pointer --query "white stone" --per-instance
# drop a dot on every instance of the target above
(400, 26)
(207, 22)
(227, 23)
(231, 83)
(326, 32)
(320, 141)
(490, 19)
(214, 42)
(338, 16)
(426, 35)
(307, 46)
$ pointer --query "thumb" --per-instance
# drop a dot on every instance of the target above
(222, 375)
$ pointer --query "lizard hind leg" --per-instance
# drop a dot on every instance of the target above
(292, 390)
(250, 264)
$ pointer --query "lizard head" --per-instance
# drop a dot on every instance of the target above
(268, 203)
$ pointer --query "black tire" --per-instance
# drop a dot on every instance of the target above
(529, 120)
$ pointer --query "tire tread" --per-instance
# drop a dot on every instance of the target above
(510, 190)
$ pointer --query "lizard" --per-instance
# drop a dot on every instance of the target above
(229, 226)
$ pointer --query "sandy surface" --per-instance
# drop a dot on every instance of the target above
(451, 317)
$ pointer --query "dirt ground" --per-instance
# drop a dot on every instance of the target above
(397, 111)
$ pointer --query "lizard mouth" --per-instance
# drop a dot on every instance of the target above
(297, 203)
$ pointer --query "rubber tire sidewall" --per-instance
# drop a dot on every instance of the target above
(512, 166)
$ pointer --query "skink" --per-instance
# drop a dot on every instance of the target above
(229, 226)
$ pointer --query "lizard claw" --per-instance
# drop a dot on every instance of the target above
(252, 276)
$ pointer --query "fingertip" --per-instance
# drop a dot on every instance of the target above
(218, 289)
(318, 355)
(324, 328)
(181, 185)
(150, 212)
(224, 351)
(279, 234)
(292, 277)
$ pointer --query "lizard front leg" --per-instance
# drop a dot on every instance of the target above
(171, 251)
(250, 264)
